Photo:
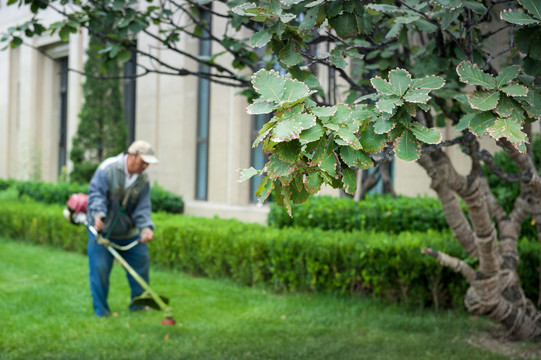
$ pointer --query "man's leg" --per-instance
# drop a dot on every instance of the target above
(100, 262)
(138, 258)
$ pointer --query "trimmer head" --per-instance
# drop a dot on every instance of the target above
(168, 321)
(146, 299)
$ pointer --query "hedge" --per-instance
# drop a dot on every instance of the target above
(375, 212)
(48, 193)
(289, 260)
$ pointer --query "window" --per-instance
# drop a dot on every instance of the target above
(258, 157)
(63, 101)
(203, 116)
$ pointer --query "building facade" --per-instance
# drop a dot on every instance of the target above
(201, 131)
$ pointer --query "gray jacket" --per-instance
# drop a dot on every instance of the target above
(106, 193)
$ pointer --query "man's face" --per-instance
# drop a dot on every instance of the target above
(136, 165)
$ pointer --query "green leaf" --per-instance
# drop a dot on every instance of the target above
(484, 100)
(348, 137)
(64, 33)
(309, 20)
(505, 106)
(324, 111)
(288, 151)
(425, 26)
(424, 134)
(15, 42)
(276, 168)
(263, 132)
(261, 107)
(432, 82)
(319, 153)
(533, 7)
(379, 8)
(419, 96)
(269, 84)
(313, 183)
(394, 30)
(328, 163)
(261, 38)
(282, 196)
(294, 91)
(382, 86)
(246, 174)
(345, 25)
(264, 189)
(400, 80)
(312, 134)
(124, 55)
(450, 4)
(355, 158)
(515, 90)
(297, 114)
(372, 142)
(528, 41)
(480, 123)
(383, 125)
(532, 104)
(517, 17)
(286, 130)
(349, 179)
(407, 147)
(508, 128)
(388, 105)
(337, 59)
(299, 195)
(290, 55)
(475, 6)
(470, 74)
(464, 122)
(506, 75)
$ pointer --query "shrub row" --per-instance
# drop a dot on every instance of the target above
(375, 212)
(162, 200)
(292, 259)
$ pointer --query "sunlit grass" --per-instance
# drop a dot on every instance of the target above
(46, 313)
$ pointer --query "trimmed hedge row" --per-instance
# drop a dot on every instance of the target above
(375, 212)
(162, 200)
(292, 260)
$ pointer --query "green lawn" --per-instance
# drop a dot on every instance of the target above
(45, 313)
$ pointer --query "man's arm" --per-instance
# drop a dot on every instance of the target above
(97, 198)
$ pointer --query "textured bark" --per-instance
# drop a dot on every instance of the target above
(491, 235)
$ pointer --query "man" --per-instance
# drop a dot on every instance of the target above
(119, 206)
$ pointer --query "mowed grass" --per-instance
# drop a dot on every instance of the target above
(46, 313)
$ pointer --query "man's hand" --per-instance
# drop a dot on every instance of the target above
(98, 223)
(147, 235)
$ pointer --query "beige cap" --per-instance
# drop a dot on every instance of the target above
(144, 150)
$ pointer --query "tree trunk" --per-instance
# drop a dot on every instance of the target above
(491, 235)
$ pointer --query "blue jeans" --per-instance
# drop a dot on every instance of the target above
(100, 262)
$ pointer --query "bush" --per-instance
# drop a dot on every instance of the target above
(375, 212)
(162, 200)
(292, 259)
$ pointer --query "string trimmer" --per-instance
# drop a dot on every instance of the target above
(74, 213)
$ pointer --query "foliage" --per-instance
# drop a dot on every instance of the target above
(292, 260)
(166, 201)
(313, 145)
(375, 212)
(101, 131)
(162, 200)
